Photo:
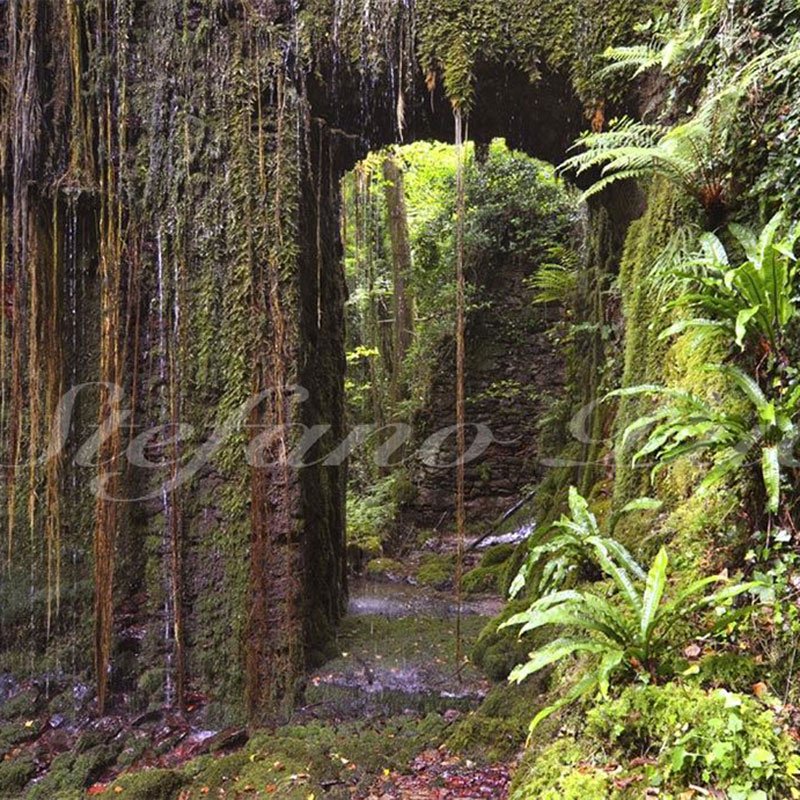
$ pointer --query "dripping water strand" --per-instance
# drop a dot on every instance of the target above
(166, 540)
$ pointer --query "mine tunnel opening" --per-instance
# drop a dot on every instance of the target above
(397, 212)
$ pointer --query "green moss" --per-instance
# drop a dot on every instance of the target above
(22, 704)
(12, 733)
(296, 762)
(560, 772)
(73, 772)
(385, 568)
(498, 728)
(436, 571)
(484, 579)
(735, 671)
(150, 686)
(645, 317)
(498, 554)
(14, 776)
(152, 784)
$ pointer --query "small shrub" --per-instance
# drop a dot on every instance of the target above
(717, 739)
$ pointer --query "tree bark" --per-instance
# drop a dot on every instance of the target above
(401, 273)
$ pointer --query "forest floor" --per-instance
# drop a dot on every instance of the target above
(372, 725)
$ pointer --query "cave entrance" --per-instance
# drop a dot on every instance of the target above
(398, 208)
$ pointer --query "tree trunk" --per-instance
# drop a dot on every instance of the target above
(401, 273)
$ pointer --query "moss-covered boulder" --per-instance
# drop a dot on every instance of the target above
(436, 571)
(497, 729)
(385, 569)
(498, 554)
(498, 650)
(484, 579)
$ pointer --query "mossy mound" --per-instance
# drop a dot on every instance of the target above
(436, 571)
(14, 776)
(385, 569)
(552, 773)
(499, 650)
(482, 580)
(497, 729)
(151, 784)
(12, 733)
(74, 771)
(736, 671)
(24, 703)
(296, 762)
(499, 554)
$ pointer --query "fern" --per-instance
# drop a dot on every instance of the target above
(637, 59)
(554, 283)
(753, 302)
(764, 435)
(686, 155)
(557, 551)
(630, 635)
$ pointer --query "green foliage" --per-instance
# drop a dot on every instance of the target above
(371, 513)
(436, 570)
(753, 303)
(559, 550)
(556, 281)
(710, 739)
(498, 649)
(687, 424)
(570, 37)
(678, 39)
(633, 633)
(687, 155)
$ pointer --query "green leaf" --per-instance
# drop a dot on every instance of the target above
(758, 757)
(742, 318)
(677, 758)
(584, 686)
(654, 591)
(552, 652)
(771, 471)
(621, 577)
(642, 504)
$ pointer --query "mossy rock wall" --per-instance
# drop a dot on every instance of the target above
(169, 196)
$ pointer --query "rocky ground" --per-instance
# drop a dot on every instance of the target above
(373, 721)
